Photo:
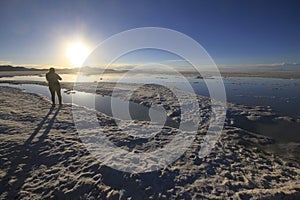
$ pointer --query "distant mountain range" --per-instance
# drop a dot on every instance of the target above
(277, 67)
(18, 68)
(85, 69)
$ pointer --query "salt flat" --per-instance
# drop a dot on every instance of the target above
(42, 156)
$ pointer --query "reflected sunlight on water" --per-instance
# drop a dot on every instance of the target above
(67, 77)
(281, 94)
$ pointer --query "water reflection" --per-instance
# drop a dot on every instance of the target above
(97, 102)
(283, 95)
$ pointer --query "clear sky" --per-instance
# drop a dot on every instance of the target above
(233, 32)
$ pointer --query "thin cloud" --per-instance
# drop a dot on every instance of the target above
(178, 60)
(5, 62)
(260, 65)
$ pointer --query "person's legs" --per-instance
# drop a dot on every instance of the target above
(58, 91)
(52, 91)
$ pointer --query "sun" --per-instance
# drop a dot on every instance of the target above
(77, 53)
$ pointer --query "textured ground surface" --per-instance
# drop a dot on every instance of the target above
(42, 156)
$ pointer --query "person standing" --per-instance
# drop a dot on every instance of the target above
(54, 85)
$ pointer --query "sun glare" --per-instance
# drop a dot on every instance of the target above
(77, 53)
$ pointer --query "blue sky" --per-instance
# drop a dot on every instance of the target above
(232, 32)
